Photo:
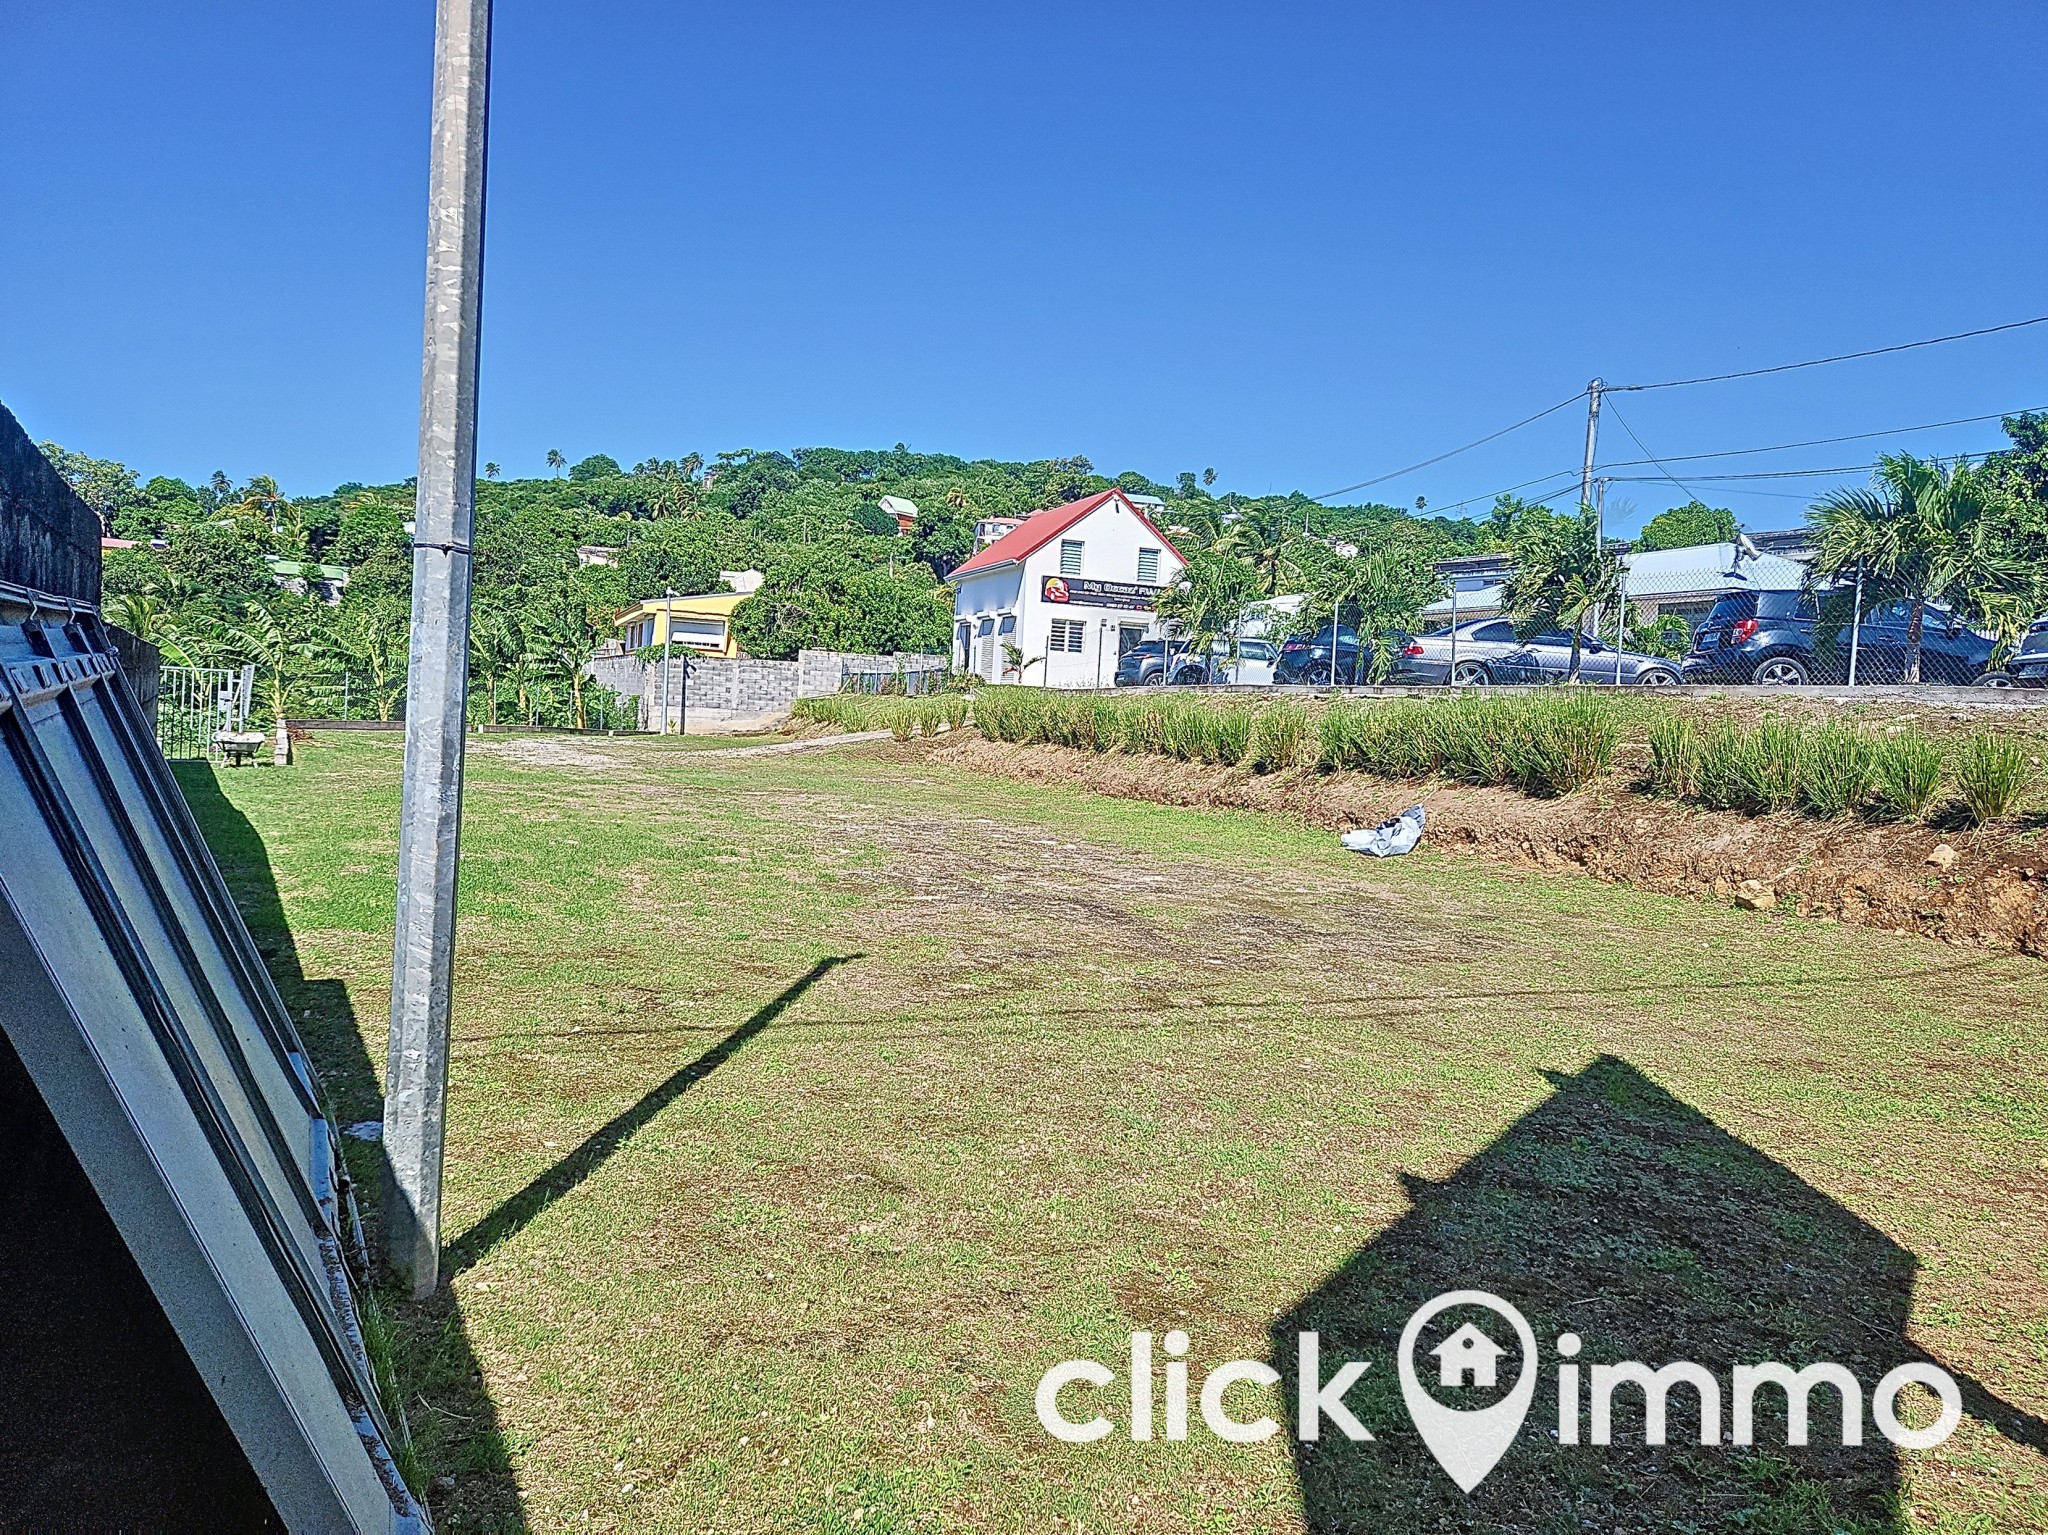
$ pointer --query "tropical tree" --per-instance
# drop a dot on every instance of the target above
(1922, 532)
(370, 642)
(1263, 536)
(490, 471)
(1561, 573)
(149, 618)
(555, 459)
(1382, 588)
(494, 647)
(566, 635)
(1684, 527)
(1208, 599)
(269, 637)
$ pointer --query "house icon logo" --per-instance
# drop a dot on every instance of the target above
(1467, 1442)
(1467, 1358)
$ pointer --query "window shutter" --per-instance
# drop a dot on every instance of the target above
(1070, 556)
(1148, 567)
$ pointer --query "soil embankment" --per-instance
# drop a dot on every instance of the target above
(1989, 889)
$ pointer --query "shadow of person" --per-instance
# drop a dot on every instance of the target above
(1617, 1212)
(465, 1466)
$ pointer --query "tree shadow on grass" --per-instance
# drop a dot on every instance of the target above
(455, 1431)
(513, 1215)
(1617, 1212)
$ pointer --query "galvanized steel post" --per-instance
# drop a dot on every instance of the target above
(430, 817)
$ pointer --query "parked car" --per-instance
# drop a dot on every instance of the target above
(1255, 663)
(1488, 652)
(1767, 638)
(2027, 667)
(1149, 664)
(1306, 658)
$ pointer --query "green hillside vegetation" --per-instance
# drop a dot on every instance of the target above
(838, 575)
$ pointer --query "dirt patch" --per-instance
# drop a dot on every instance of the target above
(1993, 894)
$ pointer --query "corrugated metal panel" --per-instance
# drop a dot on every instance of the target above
(139, 1006)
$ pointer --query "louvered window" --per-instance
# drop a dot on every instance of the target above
(1148, 567)
(1067, 634)
(1070, 556)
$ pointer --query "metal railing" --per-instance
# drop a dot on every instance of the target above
(194, 703)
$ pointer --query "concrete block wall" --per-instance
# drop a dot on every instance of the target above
(821, 669)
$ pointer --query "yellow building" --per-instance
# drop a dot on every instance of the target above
(701, 624)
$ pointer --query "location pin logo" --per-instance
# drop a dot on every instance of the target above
(1468, 1444)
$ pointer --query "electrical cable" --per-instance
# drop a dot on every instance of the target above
(1344, 490)
(1649, 455)
(1816, 362)
(1822, 442)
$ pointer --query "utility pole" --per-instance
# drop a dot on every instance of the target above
(430, 807)
(1592, 440)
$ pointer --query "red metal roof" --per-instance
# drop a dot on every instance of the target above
(1041, 528)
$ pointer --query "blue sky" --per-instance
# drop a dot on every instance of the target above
(1303, 244)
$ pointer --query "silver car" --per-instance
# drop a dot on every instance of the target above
(1488, 652)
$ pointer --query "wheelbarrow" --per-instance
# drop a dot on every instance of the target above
(240, 746)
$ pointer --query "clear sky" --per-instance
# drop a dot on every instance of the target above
(1303, 244)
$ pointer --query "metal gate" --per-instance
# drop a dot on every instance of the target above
(194, 703)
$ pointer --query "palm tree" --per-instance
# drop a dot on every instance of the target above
(1207, 600)
(1385, 586)
(1921, 532)
(495, 643)
(1561, 573)
(555, 459)
(150, 620)
(265, 640)
(490, 471)
(1264, 538)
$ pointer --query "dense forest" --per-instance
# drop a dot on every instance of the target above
(837, 572)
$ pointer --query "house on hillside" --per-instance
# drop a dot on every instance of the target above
(1073, 588)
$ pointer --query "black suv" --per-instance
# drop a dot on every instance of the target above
(1145, 665)
(1767, 638)
(2028, 665)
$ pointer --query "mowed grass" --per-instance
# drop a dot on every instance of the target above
(805, 1108)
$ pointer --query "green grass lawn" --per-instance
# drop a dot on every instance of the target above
(805, 1108)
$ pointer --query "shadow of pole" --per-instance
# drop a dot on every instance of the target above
(513, 1215)
(454, 1427)
(1617, 1212)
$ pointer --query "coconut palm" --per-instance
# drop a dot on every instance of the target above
(490, 471)
(1264, 538)
(555, 459)
(1921, 532)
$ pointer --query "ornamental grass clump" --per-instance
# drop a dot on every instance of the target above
(1561, 744)
(1993, 774)
(1906, 775)
(1766, 767)
(1279, 737)
(1838, 767)
(1674, 757)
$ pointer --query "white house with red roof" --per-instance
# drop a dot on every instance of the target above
(1072, 587)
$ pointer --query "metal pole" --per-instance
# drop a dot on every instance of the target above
(1856, 624)
(668, 634)
(683, 703)
(1620, 617)
(1592, 438)
(1451, 676)
(430, 809)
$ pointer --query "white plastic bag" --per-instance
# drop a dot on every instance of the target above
(1392, 837)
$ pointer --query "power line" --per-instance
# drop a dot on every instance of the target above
(1822, 442)
(1648, 454)
(1816, 362)
(1345, 490)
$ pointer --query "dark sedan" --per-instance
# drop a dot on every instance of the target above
(1308, 658)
